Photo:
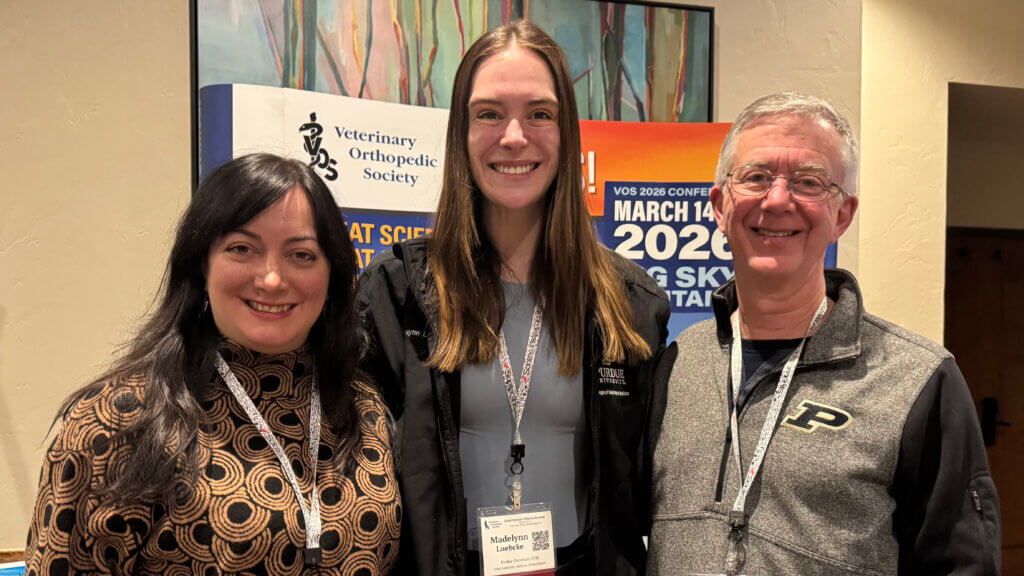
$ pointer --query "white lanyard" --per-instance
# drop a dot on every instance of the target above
(517, 393)
(737, 517)
(310, 514)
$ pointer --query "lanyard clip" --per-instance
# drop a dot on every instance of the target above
(312, 556)
(737, 520)
(518, 451)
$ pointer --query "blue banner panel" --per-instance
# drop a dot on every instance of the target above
(374, 232)
(669, 229)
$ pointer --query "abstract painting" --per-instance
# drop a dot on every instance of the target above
(629, 61)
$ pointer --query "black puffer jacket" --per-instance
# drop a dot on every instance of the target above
(393, 291)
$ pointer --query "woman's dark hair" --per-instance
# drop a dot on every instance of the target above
(172, 352)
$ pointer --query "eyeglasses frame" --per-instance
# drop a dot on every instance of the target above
(832, 187)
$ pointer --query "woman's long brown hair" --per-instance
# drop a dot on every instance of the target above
(570, 269)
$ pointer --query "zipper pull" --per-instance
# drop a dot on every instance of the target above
(977, 499)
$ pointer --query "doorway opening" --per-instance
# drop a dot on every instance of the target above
(984, 300)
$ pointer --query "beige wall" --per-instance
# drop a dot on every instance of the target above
(913, 49)
(95, 157)
(95, 161)
(765, 46)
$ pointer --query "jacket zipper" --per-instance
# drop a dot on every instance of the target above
(445, 428)
(724, 465)
(595, 434)
(453, 528)
(444, 425)
(727, 449)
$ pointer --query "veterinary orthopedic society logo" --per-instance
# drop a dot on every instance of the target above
(313, 144)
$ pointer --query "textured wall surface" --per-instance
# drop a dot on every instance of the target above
(913, 49)
(95, 162)
(765, 46)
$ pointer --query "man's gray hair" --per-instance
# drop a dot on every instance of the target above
(793, 104)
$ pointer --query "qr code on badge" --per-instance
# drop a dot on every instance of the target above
(541, 540)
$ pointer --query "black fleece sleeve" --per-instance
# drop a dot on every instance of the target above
(946, 519)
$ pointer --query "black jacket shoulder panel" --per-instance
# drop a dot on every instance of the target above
(634, 276)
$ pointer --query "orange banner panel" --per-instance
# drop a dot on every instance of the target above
(646, 152)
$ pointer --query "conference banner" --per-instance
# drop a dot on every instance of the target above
(646, 183)
(382, 161)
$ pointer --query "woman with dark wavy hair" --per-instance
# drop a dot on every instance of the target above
(513, 276)
(234, 433)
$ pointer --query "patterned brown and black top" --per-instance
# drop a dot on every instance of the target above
(241, 516)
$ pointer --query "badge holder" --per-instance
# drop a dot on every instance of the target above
(516, 540)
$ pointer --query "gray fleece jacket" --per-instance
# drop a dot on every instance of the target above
(878, 466)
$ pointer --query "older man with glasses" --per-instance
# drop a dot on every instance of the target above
(802, 435)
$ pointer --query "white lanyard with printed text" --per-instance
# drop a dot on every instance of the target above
(736, 555)
(517, 393)
(311, 513)
(778, 400)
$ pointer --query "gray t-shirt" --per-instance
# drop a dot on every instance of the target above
(553, 428)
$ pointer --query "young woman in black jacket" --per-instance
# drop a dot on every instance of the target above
(513, 276)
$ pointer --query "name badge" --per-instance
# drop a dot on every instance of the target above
(516, 542)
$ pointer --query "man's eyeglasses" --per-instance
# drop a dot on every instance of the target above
(803, 186)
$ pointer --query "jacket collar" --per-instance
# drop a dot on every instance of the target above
(837, 339)
(413, 255)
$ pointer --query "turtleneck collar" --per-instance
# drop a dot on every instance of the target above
(266, 376)
(247, 357)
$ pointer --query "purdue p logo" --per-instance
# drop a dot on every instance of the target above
(812, 415)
